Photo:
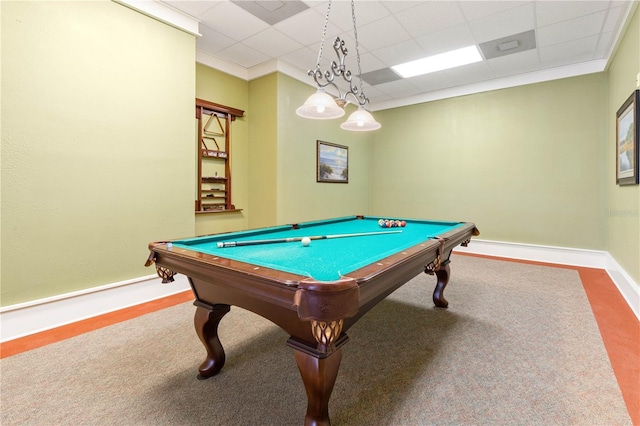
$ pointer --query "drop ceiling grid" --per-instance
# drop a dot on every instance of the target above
(391, 32)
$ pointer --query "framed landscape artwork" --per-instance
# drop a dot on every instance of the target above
(332, 163)
(627, 141)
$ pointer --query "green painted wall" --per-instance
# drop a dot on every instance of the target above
(98, 152)
(97, 144)
(300, 197)
(622, 220)
(283, 187)
(525, 163)
(263, 190)
(221, 88)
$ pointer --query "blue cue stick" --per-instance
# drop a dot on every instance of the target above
(294, 239)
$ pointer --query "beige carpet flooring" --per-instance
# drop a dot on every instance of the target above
(518, 345)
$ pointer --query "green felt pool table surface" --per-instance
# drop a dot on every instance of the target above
(323, 259)
(314, 293)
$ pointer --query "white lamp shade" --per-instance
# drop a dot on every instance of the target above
(320, 106)
(361, 120)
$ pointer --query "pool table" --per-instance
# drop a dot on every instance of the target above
(314, 292)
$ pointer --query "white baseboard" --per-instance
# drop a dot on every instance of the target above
(537, 253)
(44, 314)
(628, 288)
(39, 315)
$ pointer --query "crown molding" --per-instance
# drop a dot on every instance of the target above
(211, 61)
(164, 13)
(485, 86)
(496, 84)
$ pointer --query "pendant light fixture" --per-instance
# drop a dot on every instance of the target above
(321, 105)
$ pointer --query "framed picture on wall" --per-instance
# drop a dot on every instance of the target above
(627, 141)
(332, 164)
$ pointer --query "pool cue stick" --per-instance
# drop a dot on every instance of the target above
(294, 239)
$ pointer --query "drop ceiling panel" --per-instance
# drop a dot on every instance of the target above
(514, 64)
(613, 19)
(243, 55)
(451, 38)
(306, 27)
(232, 21)
(304, 58)
(382, 33)
(548, 13)
(473, 10)
(212, 41)
(572, 34)
(399, 53)
(571, 30)
(271, 11)
(429, 17)
(563, 53)
(272, 42)
(512, 21)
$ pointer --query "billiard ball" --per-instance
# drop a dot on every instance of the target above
(306, 241)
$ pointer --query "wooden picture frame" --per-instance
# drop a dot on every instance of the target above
(627, 136)
(332, 163)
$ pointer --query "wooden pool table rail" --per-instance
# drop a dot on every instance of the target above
(315, 314)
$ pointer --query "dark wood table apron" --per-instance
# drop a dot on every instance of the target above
(316, 314)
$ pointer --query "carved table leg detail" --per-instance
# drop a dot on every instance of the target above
(326, 334)
(319, 376)
(206, 323)
(443, 279)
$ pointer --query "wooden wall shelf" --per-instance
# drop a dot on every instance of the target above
(214, 165)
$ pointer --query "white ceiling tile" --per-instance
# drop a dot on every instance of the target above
(449, 39)
(370, 62)
(429, 17)
(366, 12)
(382, 33)
(372, 92)
(233, 21)
(272, 42)
(570, 30)
(193, 8)
(305, 27)
(212, 41)
(604, 44)
(471, 73)
(243, 55)
(480, 9)
(517, 63)
(513, 21)
(550, 12)
(399, 53)
(395, 6)
(399, 86)
(613, 18)
(563, 52)
(304, 58)
(432, 81)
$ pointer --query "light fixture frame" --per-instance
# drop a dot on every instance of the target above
(338, 69)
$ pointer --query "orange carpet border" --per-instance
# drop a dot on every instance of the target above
(36, 340)
(619, 328)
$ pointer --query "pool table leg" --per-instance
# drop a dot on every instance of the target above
(443, 279)
(319, 376)
(206, 323)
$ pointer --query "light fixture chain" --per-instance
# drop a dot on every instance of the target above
(355, 34)
(324, 35)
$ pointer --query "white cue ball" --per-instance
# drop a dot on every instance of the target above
(306, 241)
